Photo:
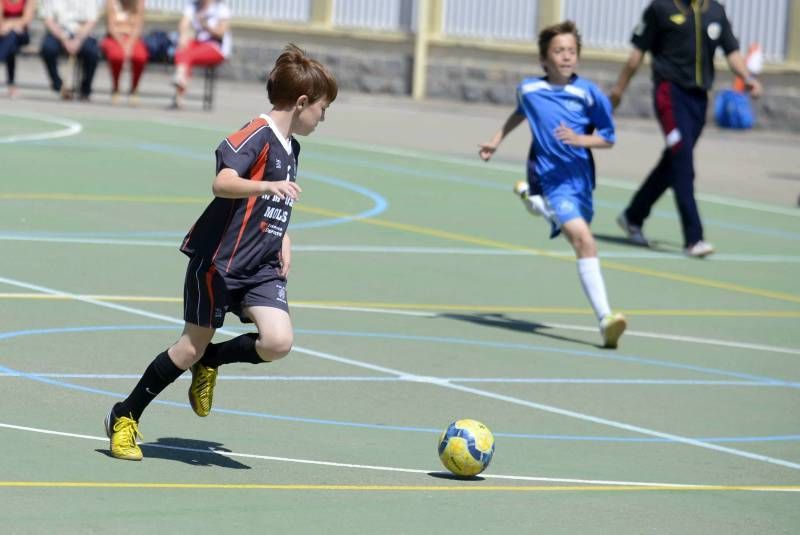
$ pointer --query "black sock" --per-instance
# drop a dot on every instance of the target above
(158, 375)
(239, 349)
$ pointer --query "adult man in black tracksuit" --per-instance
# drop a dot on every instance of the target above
(682, 37)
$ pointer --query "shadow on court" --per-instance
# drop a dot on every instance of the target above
(658, 246)
(501, 321)
(453, 477)
(189, 451)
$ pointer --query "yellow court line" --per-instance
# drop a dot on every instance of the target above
(699, 281)
(466, 487)
(160, 199)
(154, 199)
(433, 307)
(453, 236)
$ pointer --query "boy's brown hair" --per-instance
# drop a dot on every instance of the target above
(295, 74)
(547, 35)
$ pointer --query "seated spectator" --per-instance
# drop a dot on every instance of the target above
(124, 21)
(69, 25)
(203, 40)
(14, 20)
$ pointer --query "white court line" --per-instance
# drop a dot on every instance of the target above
(438, 381)
(563, 326)
(628, 255)
(227, 453)
(72, 128)
(571, 327)
(374, 379)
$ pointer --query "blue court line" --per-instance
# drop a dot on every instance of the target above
(545, 349)
(116, 395)
(380, 204)
(417, 171)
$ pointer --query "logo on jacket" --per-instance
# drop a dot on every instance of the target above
(678, 18)
(714, 30)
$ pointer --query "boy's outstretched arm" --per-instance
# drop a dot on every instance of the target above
(485, 150)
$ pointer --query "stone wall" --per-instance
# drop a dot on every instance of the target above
(378, 65)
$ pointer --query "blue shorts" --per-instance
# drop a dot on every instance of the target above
(567, 206)
(567, 203)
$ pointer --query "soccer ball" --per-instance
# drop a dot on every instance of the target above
(466, 447)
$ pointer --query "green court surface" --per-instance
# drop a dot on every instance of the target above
(421, 292)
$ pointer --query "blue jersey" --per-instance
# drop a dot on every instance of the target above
(579, 105)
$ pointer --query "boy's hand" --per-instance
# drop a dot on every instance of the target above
(486, 150)
(615, 96)
(567, 135)
(284, 189)
(285, 256)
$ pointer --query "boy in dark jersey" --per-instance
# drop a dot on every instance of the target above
(568, 115)
(239, 252)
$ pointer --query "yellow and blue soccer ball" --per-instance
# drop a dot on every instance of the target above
(466, 447)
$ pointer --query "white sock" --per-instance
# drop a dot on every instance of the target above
(536, 205)
(593, 285)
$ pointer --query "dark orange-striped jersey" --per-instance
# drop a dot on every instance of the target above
(243, 236)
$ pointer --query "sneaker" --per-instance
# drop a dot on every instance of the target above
(123, 432)
(521, 189)
(611, 328)
(699, 249)
(115, 97)
(201, 391)
(634, 232)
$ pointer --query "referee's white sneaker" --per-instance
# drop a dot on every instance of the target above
(699, 249)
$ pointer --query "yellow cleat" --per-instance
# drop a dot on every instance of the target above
(123, 432)
(201, 391)
(611, 327)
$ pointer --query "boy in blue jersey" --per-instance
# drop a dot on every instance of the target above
(567, 115)
(239, 252)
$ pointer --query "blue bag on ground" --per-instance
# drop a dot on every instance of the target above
(733, 110)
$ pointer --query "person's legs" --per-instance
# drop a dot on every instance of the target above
(51, 48)
(8, 53)
(89, 56)
(580, 236)
(690, 117)
(112, 50)
(273, 340)
(649, 192)
(659, 178)
(138, 62)
(194, 53)
(264, 304)
(123, 418)
(165, 368)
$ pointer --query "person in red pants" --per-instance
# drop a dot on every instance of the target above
(125, 19)
(204, 40)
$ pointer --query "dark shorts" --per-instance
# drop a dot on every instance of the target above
(208, 296)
